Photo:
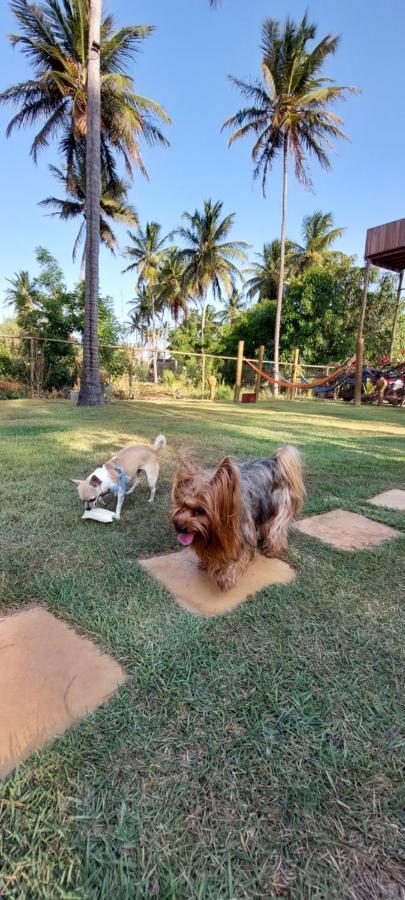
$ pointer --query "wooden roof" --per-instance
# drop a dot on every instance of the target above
(385, 245)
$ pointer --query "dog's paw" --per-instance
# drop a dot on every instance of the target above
(269, 552)
(225, 580)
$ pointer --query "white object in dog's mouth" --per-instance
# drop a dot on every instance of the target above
(185, 539)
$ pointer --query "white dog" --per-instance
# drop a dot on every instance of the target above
(121, 474)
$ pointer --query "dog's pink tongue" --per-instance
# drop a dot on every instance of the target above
(185, 539)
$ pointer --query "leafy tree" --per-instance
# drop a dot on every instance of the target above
(321, 313)
(322, 309)
(45, 309)
(287, 113)
(254, 326)
(13, 361)
(187, 338)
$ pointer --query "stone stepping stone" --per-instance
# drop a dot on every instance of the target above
(50, 678)
(193, 590)
(394, 499)
(346, 530)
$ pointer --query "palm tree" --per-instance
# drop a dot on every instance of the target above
(148, 251)
(81, 89)
(140, 315)
(54, 36)
(209, 259)
(141, 310)
(265, 273)
(287, 114)
(21, 293)
(90, 385)
(233, 307)
(113, 203)
(171, 288)
(319, 234)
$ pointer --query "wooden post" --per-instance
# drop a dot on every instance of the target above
(203, 376)
(360, 339)
(294, 376)
(32, 366)
(260, 366)
(239, 364)
(396, 314)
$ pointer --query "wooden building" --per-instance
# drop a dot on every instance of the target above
(385, 248)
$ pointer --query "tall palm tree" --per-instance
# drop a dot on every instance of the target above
(81, 89)
(147, 250)
(265, 273)
(171, 288)
(210, 260)
(287, 114)
(140, 314)
(54, 36)
(90, 385)
(318, 234)
(113, 203)
(233, 307)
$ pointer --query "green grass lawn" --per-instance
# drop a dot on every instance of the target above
(251, 756)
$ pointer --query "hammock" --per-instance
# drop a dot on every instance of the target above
(324, 389)
(307, 386)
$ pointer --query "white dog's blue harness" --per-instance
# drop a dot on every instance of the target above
(120, 487)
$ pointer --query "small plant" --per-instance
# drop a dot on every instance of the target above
(368, 387)
(171, 382)
(224, 391)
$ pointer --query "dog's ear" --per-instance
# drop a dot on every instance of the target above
(226, 475)
(225, 506)
(94, 481)
(183, 476)
(75, 481)
(187, 464)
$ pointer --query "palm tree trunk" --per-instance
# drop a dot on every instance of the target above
(91, 393)
(154, 346)
(203, 321)
(281, 273)
(203, 318)
(396, 314)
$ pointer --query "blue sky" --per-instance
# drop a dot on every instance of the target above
(184, 65)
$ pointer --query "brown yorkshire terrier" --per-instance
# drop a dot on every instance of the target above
(223, 512)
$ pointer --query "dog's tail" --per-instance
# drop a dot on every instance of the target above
(289, 461)
(159, 443)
